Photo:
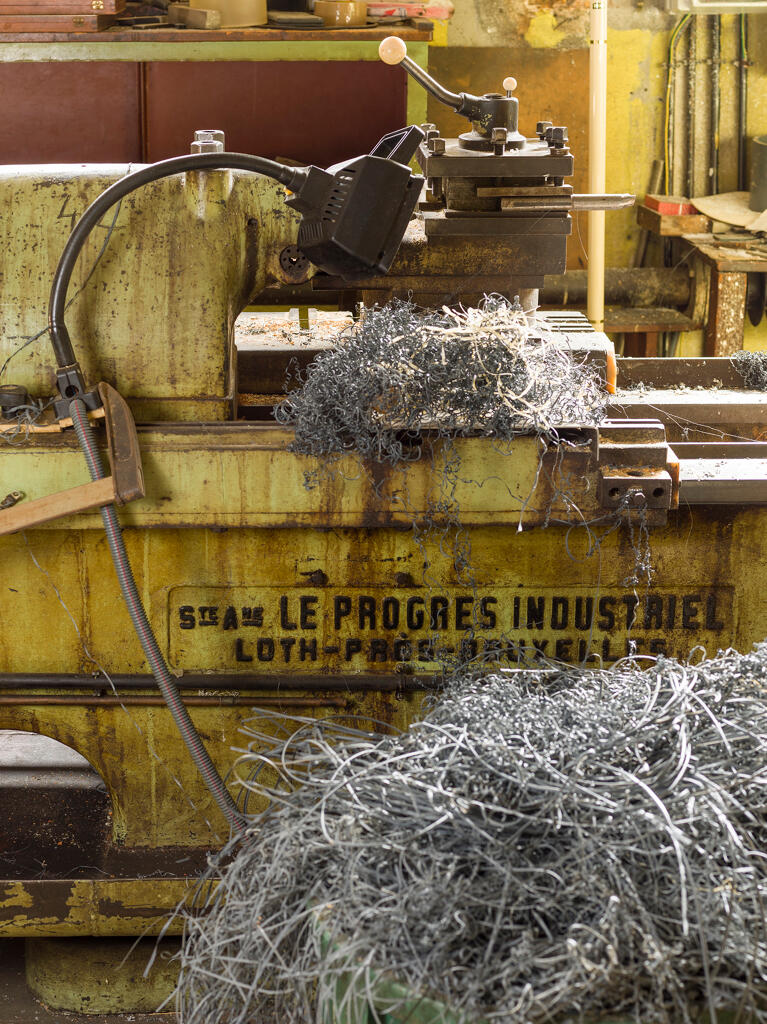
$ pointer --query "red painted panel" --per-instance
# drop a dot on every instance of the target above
(74, 112)
(312, 111)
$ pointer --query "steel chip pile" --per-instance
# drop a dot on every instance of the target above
(540, 846)
(400, 369)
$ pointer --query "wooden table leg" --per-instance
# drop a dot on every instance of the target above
(640, 343)
(726, 313)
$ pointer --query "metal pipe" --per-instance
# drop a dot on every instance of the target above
(450, 99)
(583, 201)
(393, 51)
(742, 102)
(692, 77)
(595, 307)
(78, 700)
(603, 201)
(624, 286)
(237, 683)
(716, 58)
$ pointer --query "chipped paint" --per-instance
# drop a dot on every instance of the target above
(544, 31)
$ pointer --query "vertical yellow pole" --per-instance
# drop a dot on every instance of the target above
(595, 306)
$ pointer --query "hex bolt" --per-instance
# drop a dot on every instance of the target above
(559, 137)
(208, 141)
(558, 140)
(436, 145)
(427, 127)
(499, 137)
(541, 127)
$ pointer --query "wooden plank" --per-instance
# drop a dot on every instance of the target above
(671, 225)
(46, 23)
(274, 36)
(8, 7)
(747, 257)
(54, 506)
(650, 320)
(492, 191)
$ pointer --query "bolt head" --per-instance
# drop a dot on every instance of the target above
(207, 146)
(210, 135)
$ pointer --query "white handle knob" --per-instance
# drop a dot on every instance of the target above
(509, 84)
(392, 50)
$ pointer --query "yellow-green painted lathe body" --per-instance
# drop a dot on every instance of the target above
(154, 314)
(263, 592)
(279, 617)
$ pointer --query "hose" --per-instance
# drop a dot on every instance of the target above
(159, 668)
(291, 177)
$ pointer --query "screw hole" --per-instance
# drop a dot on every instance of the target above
(658, 492)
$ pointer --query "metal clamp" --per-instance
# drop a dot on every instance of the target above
(125, 484)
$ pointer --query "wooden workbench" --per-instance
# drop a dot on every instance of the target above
(731, 258)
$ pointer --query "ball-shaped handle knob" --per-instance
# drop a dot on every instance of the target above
(392, 50)
(509, 84)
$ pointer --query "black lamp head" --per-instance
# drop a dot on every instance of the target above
(355, 213)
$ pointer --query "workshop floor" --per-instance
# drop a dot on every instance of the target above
(18, 1005)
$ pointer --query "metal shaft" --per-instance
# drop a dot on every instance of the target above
(603, 201)
(716, 56)
(742, 101)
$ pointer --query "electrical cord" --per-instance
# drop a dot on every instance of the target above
(157, 663)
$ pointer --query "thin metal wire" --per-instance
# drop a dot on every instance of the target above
(541, 845)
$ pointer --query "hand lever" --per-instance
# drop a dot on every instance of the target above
(487, 113)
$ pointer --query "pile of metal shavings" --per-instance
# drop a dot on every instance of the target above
(541, 846)
(752, 366)
(401, 370)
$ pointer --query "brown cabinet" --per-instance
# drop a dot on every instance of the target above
(118, 111)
